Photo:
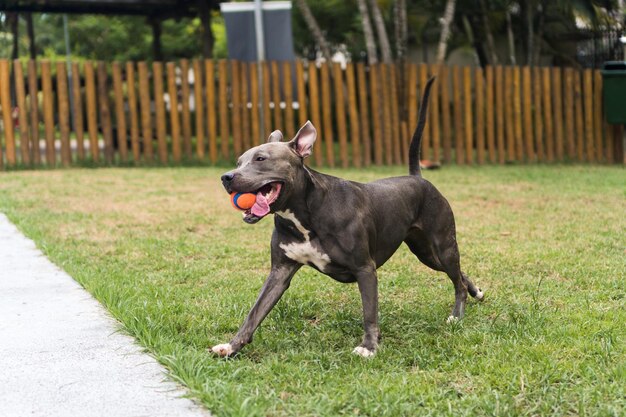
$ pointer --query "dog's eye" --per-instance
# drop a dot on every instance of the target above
(260, 158)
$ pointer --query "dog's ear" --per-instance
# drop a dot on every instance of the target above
(275, 136)
(304, 139)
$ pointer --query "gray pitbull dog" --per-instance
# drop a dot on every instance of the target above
(344, 229)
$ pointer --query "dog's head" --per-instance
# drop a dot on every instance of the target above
(271, 171)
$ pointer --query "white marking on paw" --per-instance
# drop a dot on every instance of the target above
(224, 349)
(363, 352)
(452, 320)
(480, 295)
(303, 252)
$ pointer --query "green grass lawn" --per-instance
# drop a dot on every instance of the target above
(163, 250)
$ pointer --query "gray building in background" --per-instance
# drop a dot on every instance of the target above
(240, 30)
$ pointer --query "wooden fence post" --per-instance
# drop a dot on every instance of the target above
(588, 103)
(354, 116)
(326, 112)
(434, 112)
(186, 116)
(301, 94)
(174, 119)
(547, 111)
(235, 99)
(423, 78)
(413, 99)
(364, 127)
(211, 116)
(467, 101)
(77, 96)
(580, 127)
(557, 92)
(105, 113)
(243, 99)
(458, 115)
(314, 105)
(538, 100)
(20, 93)
(509, 99)
(278, 116)
(445, 114)
(132, 111)
(254, 99)
(288, 90)
(48, 113)
(517, 112)
(146, 111)
(395, 119)
(386, 111)
(340, 111)
(597, 111)
(159, 111)
(491, 147)
(63, 113)
(198, 101)
(120, 114)
(480, 116)
(7, 117)
(528, 116)
(569, 113)
(267, 111)
(223, 105)
(33, 91)
(500, 109)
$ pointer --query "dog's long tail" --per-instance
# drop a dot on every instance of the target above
(416, 142)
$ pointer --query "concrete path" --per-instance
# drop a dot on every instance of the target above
(60, 352)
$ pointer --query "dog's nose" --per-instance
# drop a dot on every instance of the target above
(228, 177)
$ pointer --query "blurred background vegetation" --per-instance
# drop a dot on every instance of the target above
(531, 28)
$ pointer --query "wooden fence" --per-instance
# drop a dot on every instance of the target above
(210, 111)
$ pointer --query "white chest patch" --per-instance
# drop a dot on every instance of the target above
(303, 252)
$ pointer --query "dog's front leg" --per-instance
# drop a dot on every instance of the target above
(275, 285)
(367, 280)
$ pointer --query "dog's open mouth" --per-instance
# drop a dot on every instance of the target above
(265, 196)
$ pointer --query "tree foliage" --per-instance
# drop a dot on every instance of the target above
(538, 27)
(109, 37)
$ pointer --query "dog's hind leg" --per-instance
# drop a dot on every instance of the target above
(473, 290)
(444, 256)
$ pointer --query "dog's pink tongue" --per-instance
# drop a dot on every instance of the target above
(260, 207)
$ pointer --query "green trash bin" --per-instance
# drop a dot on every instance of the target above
(614, 89)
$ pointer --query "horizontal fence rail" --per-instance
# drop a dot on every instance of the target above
(135, 112)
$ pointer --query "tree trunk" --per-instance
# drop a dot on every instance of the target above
(539, 38)
(400, 25)
(511, 37)
(157, 51)
(491, 45)
(478, 53)
(13, 18)
(446, 21)
(530, 20)
(385, 47)
(368, 33)
(207, 34)
(31, 36)
(311, 23)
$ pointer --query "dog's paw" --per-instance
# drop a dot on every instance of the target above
(452, 320)
(480, 295)
(363, 352)
(225, 349)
